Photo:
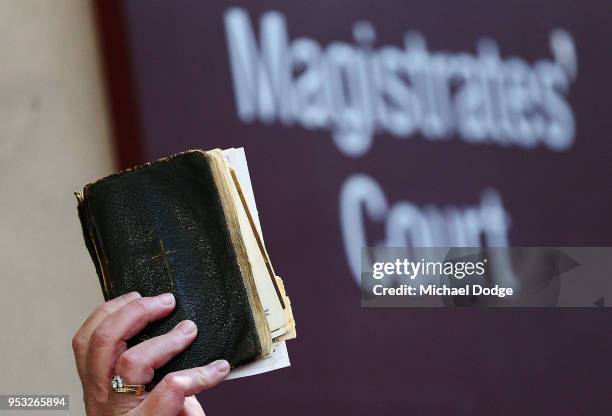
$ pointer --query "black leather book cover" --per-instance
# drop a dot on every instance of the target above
(161, 228)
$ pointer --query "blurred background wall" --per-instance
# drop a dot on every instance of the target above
(54, 138)
(381, 122)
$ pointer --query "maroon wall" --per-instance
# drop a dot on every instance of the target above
(438, 146)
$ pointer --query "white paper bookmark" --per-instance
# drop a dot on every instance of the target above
(279, 358)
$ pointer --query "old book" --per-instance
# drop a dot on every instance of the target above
(186, 225)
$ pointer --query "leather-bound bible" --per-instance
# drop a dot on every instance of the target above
(186, 225)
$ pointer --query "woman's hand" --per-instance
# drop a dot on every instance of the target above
(100, 351)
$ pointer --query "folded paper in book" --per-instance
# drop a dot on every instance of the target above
(279, 357)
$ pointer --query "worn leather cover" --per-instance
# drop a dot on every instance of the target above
(161, 228)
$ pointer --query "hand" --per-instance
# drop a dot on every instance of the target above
(100, 351)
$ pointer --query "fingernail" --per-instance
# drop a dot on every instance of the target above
(186, 327)
(220, 366)
(167, 299)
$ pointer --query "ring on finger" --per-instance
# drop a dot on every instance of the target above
(119, 386)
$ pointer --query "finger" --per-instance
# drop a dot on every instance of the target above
(108, 339)
(80, 341)
(137, 364)
(168, 397)
(191, 407)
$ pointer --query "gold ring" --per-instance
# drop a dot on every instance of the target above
(119, 386)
